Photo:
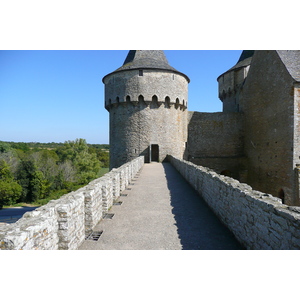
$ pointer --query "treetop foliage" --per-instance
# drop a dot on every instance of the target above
(32, 171)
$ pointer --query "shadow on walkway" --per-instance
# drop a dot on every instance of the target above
(198, 227)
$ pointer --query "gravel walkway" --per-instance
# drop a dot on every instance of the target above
(161, 211)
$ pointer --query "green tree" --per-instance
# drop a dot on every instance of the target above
(4, 147)
(5, 173)
(101, 153)
(103, 156)
(86, 164)
(12, 160)
(66, 175)
(46, 162)
(10, 190)
(21, 146)
(32, 181)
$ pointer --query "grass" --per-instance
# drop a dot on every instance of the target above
(103, 171)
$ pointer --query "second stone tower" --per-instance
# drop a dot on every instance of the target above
(147, 103)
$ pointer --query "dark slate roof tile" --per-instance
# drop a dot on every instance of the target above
(147, 59)
(291, 60)
(244, 60)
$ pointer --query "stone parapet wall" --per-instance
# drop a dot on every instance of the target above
(35, 230)
(258, 220)
(93, 205)
(71, 222)
(64, 223)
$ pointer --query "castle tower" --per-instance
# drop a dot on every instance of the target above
(147, 103)
(231, 82)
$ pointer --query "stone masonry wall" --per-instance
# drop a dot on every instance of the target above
(229, 85)
(258, 220)
(64, 223)
(216, 141)
(162, 83)
(267, 101)
(146, 110)
(133, 128)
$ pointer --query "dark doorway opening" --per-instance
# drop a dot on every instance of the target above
(226, 173)
(154, 152)
(281, 195)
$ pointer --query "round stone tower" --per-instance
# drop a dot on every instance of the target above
(231, 82)
(147, 103)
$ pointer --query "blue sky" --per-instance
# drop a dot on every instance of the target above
(57, 96)
(54, 96)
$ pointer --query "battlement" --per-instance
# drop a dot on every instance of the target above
(147, 101)
(147, 86)
(231, 82)
(153, 102)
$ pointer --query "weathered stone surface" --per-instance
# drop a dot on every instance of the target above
(147, 106)
(294, 208)
(258, 220)
(63, 223)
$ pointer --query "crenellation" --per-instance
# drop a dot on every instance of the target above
(150, 117)
(244, 161)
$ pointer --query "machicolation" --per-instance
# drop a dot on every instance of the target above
(244, 162)
(255, 139)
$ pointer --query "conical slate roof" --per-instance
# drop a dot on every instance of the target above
(244, 60)
(290, 58)
(147, 59)
(155, 59)
(245, 55)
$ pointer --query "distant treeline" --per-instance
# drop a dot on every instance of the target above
(36, 145)
(30, 172)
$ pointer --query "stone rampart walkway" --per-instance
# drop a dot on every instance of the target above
(161, 211)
